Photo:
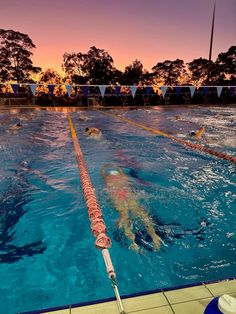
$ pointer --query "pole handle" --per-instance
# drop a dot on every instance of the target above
(108, 263)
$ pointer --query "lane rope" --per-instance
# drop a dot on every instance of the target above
(178, 140)
(98, 227)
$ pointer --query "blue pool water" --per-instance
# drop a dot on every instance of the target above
(47, 254)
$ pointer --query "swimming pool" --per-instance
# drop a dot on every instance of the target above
(47, 251)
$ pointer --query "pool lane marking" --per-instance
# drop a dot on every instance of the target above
(95, 215)
(178, 140)
(98, 226)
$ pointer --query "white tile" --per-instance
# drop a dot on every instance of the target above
(187, 294)
(192, 307)
(145, 302)
(222, 287)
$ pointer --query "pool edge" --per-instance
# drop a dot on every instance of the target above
(132, 295)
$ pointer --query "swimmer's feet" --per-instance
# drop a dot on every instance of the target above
(134, 246)
(156, 243)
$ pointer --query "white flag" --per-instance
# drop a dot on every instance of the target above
(163, 90)
(219, 90)
(69, 89)
(192, 90)
(102, 89)
(133, 90)
(33, 88)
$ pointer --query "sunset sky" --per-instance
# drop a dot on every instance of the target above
(149, 30)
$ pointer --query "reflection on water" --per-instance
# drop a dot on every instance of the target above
(45, 232)
(12, 203)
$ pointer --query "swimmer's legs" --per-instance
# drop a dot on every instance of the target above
(125, 223)
(142, 214)
(130, 235)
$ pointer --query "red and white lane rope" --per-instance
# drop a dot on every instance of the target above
(178, 140)
(98, 227)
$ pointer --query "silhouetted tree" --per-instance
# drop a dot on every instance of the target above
(93, 67)
(133, 73)
(15, 54)
(147, 78)
(50, 76)
(227, 63)
(72, 65)
(169, 72)
(204, 71)
(98, 66)
(117, 76)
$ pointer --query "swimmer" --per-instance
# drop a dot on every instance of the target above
(93, 132)
(25, 167)
(15, 127)
(126, 203)
(198, 135)
(192, 133)
(83, 118)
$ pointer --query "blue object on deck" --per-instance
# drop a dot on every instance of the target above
(212, 307)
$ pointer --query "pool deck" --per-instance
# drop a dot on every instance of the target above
(192, 300)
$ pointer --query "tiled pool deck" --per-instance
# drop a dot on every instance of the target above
(191, 300)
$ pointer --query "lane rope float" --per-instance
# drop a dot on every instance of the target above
(98, 227)
(178, 140)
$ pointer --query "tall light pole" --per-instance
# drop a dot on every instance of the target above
(212, 30)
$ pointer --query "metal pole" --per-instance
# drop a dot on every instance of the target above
(118, 299)
(112, 276)
(212, 30)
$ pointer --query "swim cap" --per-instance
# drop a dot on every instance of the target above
(114, 172)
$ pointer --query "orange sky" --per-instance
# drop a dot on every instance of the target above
(150, 30)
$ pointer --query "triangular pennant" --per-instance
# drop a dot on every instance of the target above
(148, 90)
(51, 88)
(85, 90)
(206, 90)
(163, 90)
(69, 89)
(133, 90)
(219, 90)
(231, 90)
(178, 90)
(192, 90)
(102, 89)
(15, 88)
(33, 88)
(117, 90)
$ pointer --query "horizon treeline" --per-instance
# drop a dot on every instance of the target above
(96, 67)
